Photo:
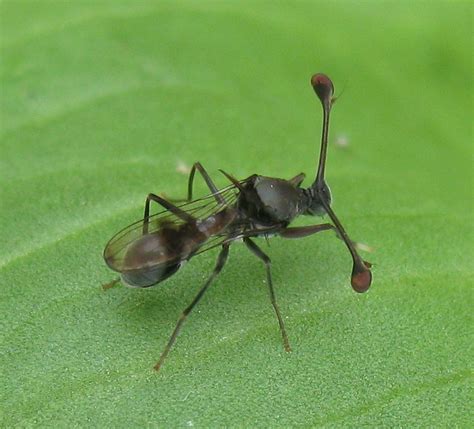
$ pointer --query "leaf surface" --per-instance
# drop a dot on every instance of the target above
(100, 104)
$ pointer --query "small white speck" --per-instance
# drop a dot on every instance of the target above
(189, 423)
(182, 168)
(341, 141)
(364, 247)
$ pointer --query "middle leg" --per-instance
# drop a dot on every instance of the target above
(266, 260)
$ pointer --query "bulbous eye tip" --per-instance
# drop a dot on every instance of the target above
(320, 79)
(323, 86)
(361, 281)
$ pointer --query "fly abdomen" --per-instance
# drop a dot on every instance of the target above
(156, 256)
(150, 260)
(146, 277)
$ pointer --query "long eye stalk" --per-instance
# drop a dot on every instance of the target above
(361, 276)
(324, 89)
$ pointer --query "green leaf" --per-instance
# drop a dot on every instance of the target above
(101, 101)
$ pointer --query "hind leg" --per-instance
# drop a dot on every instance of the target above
(221, 260)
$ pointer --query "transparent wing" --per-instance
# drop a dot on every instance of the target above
(116, 249)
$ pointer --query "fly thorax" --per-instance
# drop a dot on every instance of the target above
(278, 199)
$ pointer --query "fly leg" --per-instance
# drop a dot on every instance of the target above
(210, 184)
(111, 284)
(221, 260)
(167, 205)
(304, 231)
(266, 260)
(197, 166)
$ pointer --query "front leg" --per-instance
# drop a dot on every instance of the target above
(305, 231)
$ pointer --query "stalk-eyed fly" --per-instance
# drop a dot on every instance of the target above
(154, 248)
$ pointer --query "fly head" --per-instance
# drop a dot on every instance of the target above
(319, 195)
(315, 198)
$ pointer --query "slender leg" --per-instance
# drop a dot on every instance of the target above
(221, 260)
(304, 231)
(167, 205)
(266, 260)
(197, 166)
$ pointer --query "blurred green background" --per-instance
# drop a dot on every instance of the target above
(102, 101)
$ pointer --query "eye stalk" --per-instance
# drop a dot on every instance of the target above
(324, 89)
(321, 196)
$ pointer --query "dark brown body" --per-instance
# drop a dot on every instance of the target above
(153, 249)
(263, 206)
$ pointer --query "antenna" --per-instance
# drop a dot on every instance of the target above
(361, 275)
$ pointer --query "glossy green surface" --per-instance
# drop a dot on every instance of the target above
(101, 101)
